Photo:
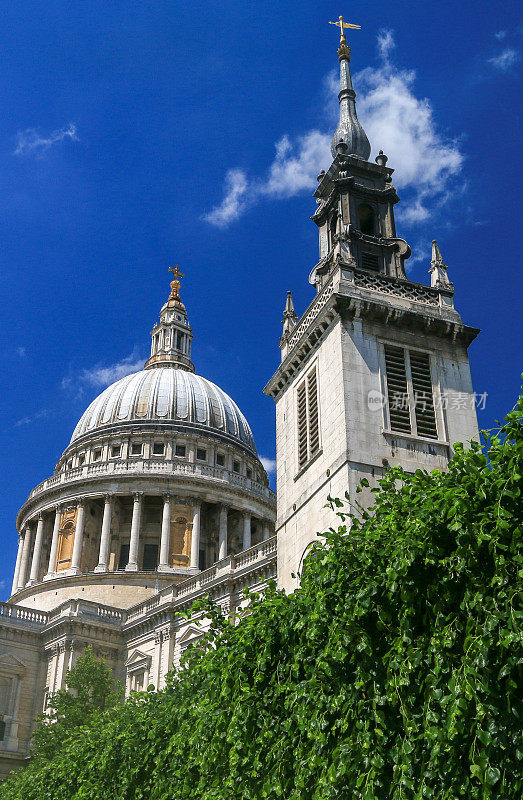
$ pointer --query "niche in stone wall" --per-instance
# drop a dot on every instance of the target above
(66, 540)
(180, 544)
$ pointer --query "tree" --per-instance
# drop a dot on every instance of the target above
(90, 689)
(393, 673)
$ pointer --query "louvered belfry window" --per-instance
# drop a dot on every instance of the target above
(410, 394)
(308, 419)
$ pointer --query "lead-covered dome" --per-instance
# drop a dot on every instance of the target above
(167, 394)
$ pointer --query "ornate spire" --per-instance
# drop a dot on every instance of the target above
(172, 335)
(349, 129)
(438, 268)
(290, 317)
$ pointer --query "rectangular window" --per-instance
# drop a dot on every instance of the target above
(97, 454)
(150, 557)
(116, 449)
(136, 449)
(180, 450)
(158, 449)
(201, 454)
(81, 460)
(410, 394)
(220, 459)
(236, 466)
(124, 556)
(249, 472)
(308, 419)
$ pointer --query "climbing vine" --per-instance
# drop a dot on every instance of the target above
(394, 672)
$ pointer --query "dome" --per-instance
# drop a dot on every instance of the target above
(166, 394)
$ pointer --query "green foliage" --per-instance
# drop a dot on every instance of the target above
(391, 674)
(90, 690)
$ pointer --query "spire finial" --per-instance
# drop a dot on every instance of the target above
(349, 129)
(341, 25)
(438, 268)
(175, 284)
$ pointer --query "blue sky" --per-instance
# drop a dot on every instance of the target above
(138, 135)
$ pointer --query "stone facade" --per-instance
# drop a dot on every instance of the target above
(159, 499)
(375, 372)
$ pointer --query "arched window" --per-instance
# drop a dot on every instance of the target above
(366, 219)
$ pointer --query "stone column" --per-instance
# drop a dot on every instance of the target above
(37, 552)
(78, 538)
(222, 533)
(195, 536)
(105, 536)
(164, 565)
(14, 588)
(51, 568)
(132, 565)
(24, 562)
(246, 531)
(266, 531)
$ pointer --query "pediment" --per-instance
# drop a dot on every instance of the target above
(10, 664)
(190, 633)
(138, 661)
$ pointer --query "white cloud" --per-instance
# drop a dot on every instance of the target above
(269, 464)
(500, 35)
(234, 200)
(395, 119)
(505, 60)
(31, 142)
(101, 376)
(295, 168)
(386, 44)
(28, 420)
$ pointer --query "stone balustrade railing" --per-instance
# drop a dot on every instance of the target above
(264, 551)
(24, 616)
(148, 466)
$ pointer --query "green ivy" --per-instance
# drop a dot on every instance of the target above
(393, 673)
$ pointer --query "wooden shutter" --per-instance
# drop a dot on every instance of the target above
(314, 429)
(397, 390)
(302, 425)
(423, 395)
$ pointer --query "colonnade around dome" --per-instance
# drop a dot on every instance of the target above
(130, 539)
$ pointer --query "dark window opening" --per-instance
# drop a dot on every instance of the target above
(370, 261)
(124, 556)
(236, 466)
(333, 229)
(366, 219)
(2, 729)
(158, 448)
(201, 454)
(180, 450)
(220, 459)
(150, 557)
(249, 473)
(136, 449)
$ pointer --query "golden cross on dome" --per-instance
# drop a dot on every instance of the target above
(175, 284)
(341, 25)
(176, 271)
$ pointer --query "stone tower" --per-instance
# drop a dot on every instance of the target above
(376, 371)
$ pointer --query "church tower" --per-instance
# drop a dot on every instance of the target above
(376, 370)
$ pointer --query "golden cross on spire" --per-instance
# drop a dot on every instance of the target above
(341, 25)
(175, 284)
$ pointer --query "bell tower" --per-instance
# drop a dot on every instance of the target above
(375, 372)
